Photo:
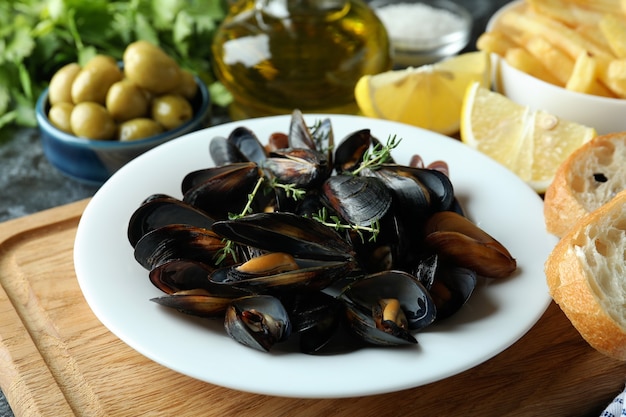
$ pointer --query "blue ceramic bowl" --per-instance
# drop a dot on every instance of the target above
(94, 161)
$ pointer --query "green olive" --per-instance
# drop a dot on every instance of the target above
(188, 86)
(125, 100)
(171, 110)
(151, 68)
(60, 89)
(139, 128)
(91, 120)
(59, 115)
(94, 80)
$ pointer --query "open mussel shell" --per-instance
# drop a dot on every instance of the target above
(181, 274)
(324, 139)
(449, 285)
(311, 275)
(300, 136)
(241, 145)
(286, 232)
(248, 144)
(366, 295)
(221, 190)
(301, 167)
(458, 240)
(451, 289)
(224, 152)
(257, 321)
(358, 200)
(162, 210)
(200, 302)
(177, 241)
(350, 151)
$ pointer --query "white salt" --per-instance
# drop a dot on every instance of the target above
(417, 21)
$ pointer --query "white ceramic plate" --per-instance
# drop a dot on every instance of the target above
(498, 314)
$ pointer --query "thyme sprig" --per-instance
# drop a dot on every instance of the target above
(378, 155)
(291, 190)
(335, 222)
(229, 245)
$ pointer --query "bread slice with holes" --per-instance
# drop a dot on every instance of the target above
(587, 179)
(586, 275)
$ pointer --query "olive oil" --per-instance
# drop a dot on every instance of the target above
(278, 55)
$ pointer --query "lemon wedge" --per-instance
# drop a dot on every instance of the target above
(531, 143)
(429, 96)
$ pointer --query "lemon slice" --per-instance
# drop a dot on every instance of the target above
(530, 143)
(429, 96)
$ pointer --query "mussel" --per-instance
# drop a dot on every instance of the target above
(222, 190)
(200, 302)
(358, 200)
(384, 308)
(286, 232)
(457, 239)
(301, 274)
(257, 321)
(177, 241)
(301, 167)
(161, 210)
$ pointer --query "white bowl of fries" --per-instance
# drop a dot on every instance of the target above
(567, 57)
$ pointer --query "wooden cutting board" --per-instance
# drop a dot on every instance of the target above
(57, 359)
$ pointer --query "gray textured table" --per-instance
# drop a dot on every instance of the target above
(28, 183)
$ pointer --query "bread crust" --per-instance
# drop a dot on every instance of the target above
(569, 286)
(563, 201)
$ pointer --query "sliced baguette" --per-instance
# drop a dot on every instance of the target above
(588, 178)
(586, 275)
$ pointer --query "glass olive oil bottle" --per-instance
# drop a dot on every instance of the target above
(278, 55)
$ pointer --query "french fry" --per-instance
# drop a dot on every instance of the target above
(560, 35)
(521, 59)
(583, 78)
(494, 42)
(583, 75)
(611, 75)
(614, 30)
(593, 34)
(555, 60)
(564, 12)
(576, 44)
(602, 6)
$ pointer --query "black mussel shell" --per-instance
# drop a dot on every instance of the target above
(248, 144)
(300, 135)
(416, 302)
(221, 190)
(286, 232)
(350, 151)
(257, 321)
(177, 241)
(451, 289)
(198, 302)
(358, 200)
(161, 211)
(181, 274)
(303, 168)
(312, 275)
(224, 152)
